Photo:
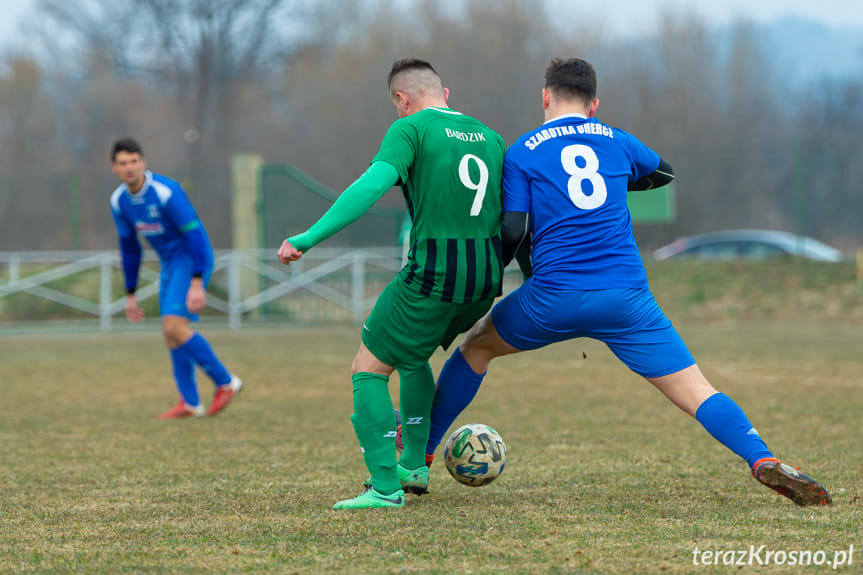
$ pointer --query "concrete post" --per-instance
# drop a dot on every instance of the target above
(244, 219)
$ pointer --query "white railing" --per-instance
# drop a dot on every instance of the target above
(250, 278)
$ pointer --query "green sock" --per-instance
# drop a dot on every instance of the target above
(416, 395)
(375, 425)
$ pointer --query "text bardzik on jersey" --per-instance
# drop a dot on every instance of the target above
(465, 136)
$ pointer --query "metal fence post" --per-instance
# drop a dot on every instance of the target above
(235, 312)
(105, 268)
(14, 269)
(358, 290)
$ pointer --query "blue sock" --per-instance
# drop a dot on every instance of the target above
(200, 351)
(727, 423)
(184, 375)
(457, 385)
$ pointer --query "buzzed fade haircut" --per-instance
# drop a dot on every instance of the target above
(427, 76)
(571, 79)
(128, 145)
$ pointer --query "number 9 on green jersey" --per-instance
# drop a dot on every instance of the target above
(449, 167)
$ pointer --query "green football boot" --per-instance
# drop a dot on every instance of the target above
(370, 499)
(414, 481)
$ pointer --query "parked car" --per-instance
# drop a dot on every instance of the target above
(747, 245)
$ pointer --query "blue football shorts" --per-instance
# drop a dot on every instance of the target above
(627, 320)
(174, 281)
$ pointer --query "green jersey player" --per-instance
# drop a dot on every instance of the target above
(449, 168)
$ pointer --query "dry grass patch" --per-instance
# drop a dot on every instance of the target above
(604, 475)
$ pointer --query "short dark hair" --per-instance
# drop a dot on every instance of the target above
(128, 145)
(404, 64)
(572, 78)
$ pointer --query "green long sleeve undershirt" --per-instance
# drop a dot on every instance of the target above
(350, 206)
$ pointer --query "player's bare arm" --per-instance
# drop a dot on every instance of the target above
(196, 298)
(134, 312)
(288, 253)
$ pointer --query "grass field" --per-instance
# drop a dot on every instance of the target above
(604, 475)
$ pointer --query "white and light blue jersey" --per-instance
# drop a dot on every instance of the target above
(162, 213)
(571, 175)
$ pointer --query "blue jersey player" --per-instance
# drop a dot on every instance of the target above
(157, 208)
(565, 185)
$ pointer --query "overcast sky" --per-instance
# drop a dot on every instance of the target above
(637, 17)
(616, 17)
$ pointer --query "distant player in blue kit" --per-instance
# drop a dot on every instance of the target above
(565, 185)
(157, 208)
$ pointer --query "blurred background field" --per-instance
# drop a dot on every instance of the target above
(759, 110)
(604, 475)
(718, 292)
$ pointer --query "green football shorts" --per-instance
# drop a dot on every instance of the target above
(404, 328)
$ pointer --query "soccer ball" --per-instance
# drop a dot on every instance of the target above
(475, 454)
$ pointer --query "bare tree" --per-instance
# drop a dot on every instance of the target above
(304, 83)
(198, 49)
(178, 70)
(26, 145)
(827, 185)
